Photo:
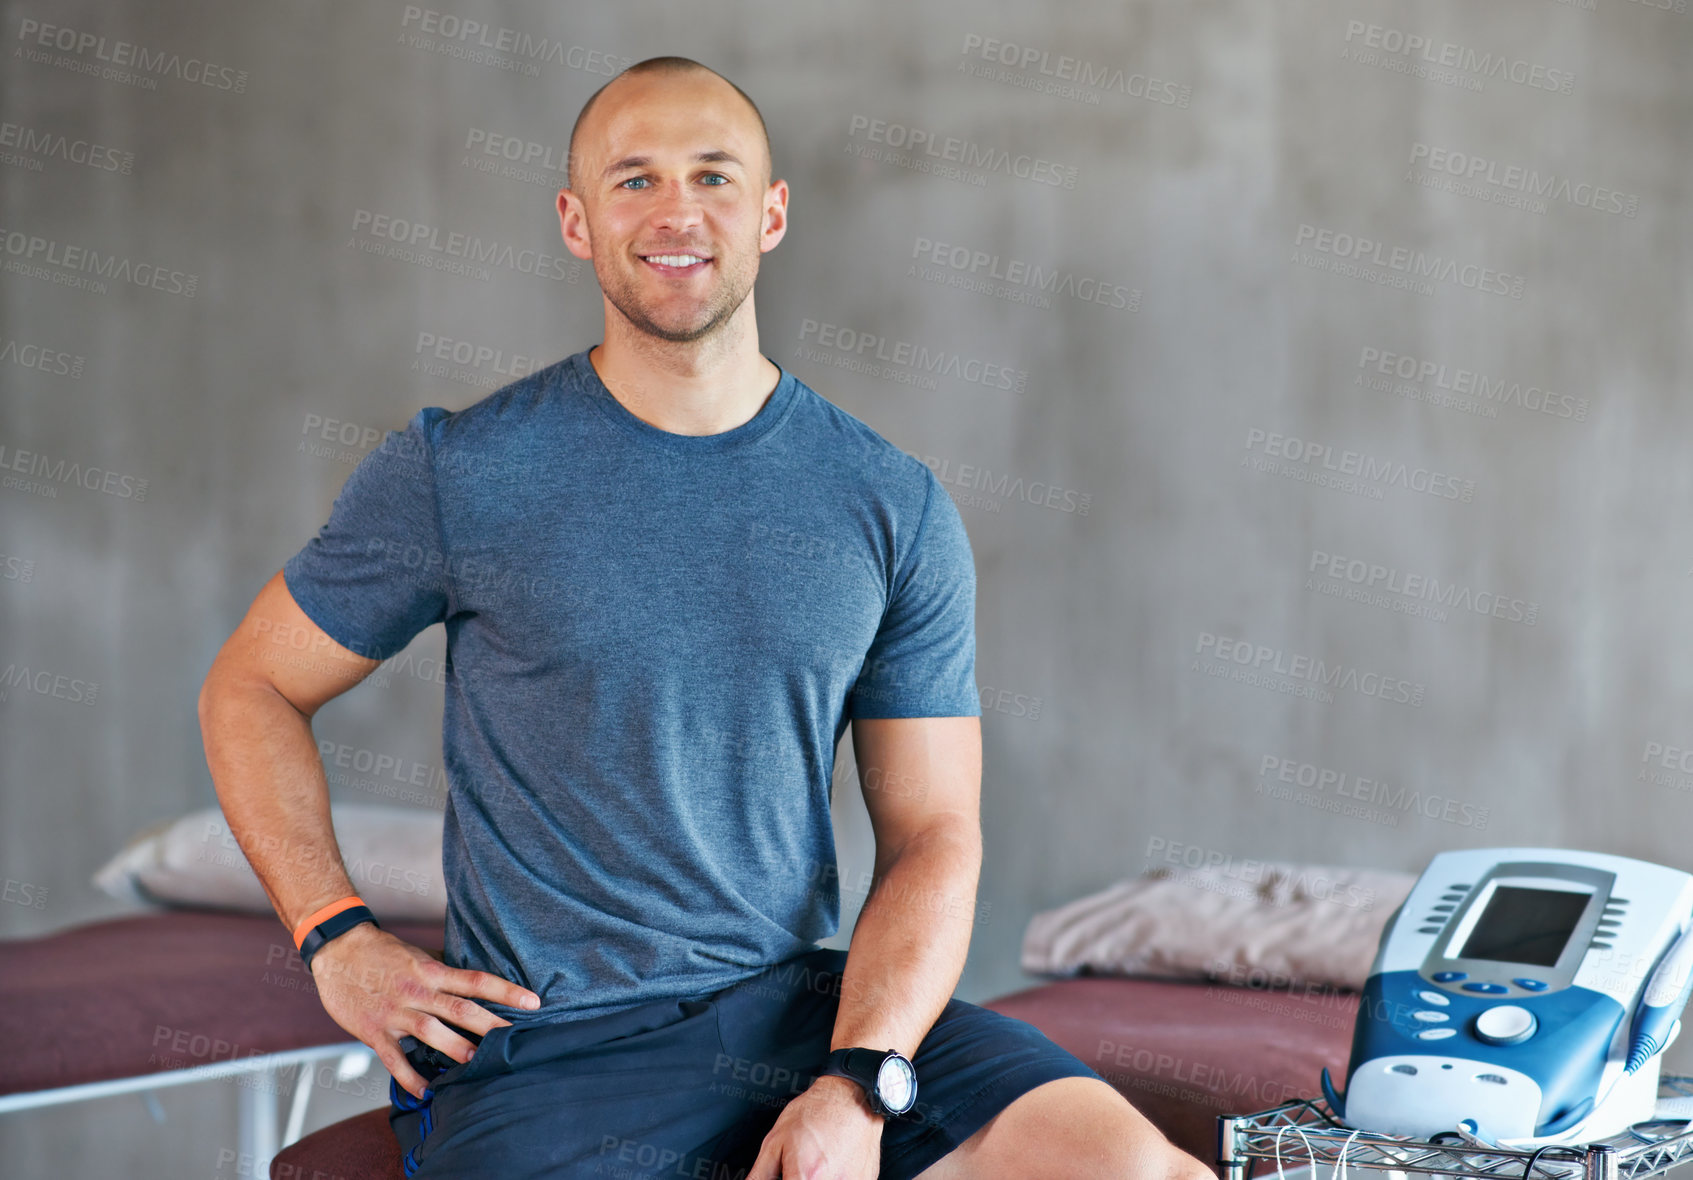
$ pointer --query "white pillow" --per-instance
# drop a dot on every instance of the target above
(392, 854)
(1258, 923)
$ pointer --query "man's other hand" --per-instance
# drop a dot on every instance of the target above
(827, 1133)
(380, 988)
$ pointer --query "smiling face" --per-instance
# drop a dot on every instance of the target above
(671, 200)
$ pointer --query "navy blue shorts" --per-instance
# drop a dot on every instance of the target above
(689, 1088)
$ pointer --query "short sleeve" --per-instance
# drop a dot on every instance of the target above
(374, 575)
(922, 662)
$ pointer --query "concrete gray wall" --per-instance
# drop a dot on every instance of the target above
(1309, 312)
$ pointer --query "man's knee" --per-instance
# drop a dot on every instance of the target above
(1142, 1156)
(1183, 1166)
(1089, 1131)
(1129, 1147)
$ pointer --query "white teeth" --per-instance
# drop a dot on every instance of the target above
(674, 259)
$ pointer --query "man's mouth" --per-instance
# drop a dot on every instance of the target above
(682, 263)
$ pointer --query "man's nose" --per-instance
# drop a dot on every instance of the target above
(677, 207)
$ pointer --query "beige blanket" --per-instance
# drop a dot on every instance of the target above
(1255, 923)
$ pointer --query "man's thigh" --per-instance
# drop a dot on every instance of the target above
(559, 1101)
(1077, 1128)
(972, 1064)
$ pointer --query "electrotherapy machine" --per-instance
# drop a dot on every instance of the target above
(1521, 997)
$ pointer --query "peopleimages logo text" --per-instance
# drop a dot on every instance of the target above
(1355, 248)
(1323, 457)
(1515, 178)
(1459, 57)
(1265, 659)
(1472, 384)
(1374, 576)
(143, 60)
(955, 149)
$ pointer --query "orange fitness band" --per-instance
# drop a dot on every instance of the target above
(328, 911)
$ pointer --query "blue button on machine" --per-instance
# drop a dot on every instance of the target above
(1532, 985)
(1450, 976)
(1486, 989)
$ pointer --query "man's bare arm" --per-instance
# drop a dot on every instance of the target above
(256, 708)
(922, 779)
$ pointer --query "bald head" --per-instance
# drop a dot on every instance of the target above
(658, 68)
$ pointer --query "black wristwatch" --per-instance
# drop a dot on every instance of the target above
(888, 1078)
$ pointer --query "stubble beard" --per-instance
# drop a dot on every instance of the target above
(734, 284)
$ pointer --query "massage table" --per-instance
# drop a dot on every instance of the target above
(1182, 1052)
(136, 1004)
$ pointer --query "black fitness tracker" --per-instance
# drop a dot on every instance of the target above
(331, 927)
(888, 1078)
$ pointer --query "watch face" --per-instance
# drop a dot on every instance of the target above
(896, 1084)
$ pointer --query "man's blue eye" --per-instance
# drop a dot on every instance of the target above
(709, 175)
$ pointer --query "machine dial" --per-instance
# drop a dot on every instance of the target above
(1505, 1024)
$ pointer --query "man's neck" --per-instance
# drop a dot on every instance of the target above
(686, 389)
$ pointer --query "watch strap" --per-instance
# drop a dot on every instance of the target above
(331, 922)
(862, 1066)
(840, 1063)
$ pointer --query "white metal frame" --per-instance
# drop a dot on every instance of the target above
(1640, 1152)
(258, 1137)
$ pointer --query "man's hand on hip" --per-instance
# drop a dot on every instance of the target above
(827, 1133)
(380, 988)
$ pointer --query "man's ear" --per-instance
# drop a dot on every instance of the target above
(774, 217)
(573, 225)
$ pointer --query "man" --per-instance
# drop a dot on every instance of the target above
(670, 574)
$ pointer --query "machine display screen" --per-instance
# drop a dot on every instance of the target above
(1522, 925)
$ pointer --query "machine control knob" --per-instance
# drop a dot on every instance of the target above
(1505, 1024)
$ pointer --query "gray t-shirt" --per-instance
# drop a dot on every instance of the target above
(654, 643)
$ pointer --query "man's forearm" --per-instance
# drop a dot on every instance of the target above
(910, 943)
(271, 783)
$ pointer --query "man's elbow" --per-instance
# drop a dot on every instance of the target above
(223, 683)
(208, 694)
(210, 706)
(971, 835)
(214, 688)
(956, 837)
